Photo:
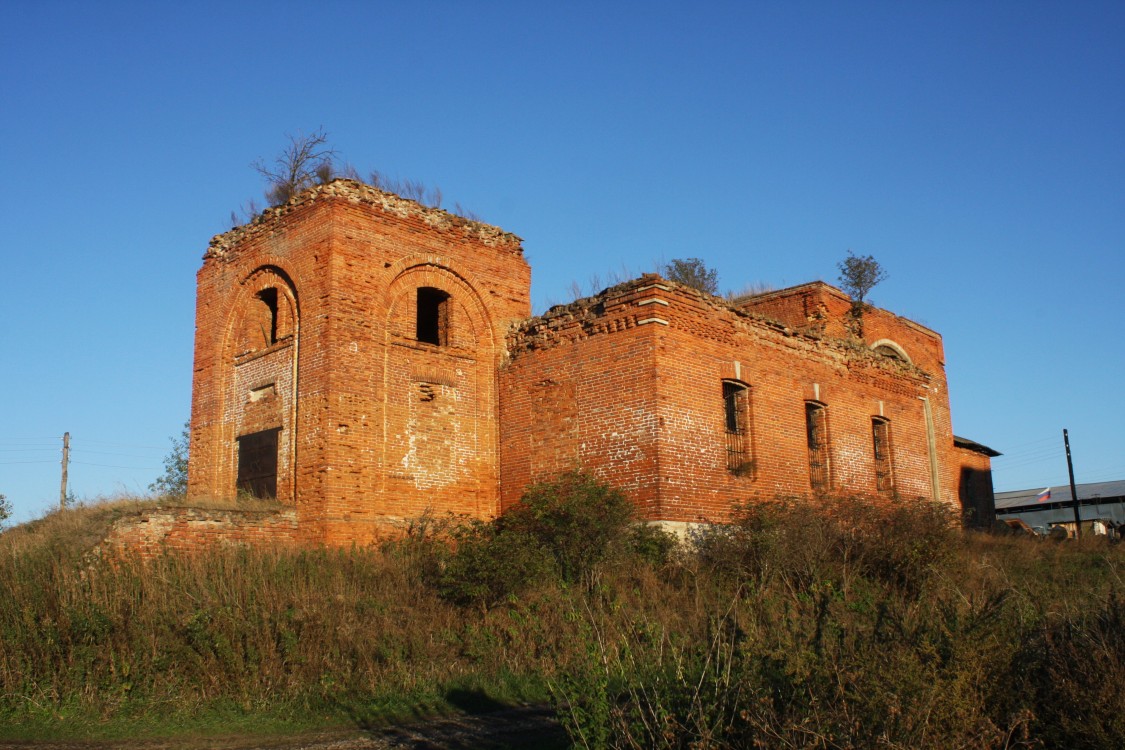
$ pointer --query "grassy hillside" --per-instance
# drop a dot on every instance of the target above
(835, 625)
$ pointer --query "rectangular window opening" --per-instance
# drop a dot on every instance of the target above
(257, 463)
(433, 316)
(881, 445)
(269, 322)
(736, 416)
(816, 429)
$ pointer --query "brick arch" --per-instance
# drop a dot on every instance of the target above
(440, 403)
(439, 269)
(243, 306)
(258, 376)
(894, 347)
(470, 324)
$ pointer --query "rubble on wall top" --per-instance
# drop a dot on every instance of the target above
(538, 331)
(588, 308)
(796, 289)
(354, 191)
(749, 300)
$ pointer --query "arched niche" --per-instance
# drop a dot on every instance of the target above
(891, 350)
(264, 313)
(257, 447)
(439, 392)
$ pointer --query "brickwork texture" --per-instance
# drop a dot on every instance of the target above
(365, 360)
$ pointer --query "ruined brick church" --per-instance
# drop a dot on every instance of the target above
(365, 359)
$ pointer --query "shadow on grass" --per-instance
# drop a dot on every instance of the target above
(460, 719)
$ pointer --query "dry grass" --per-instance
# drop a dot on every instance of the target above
(859, 627)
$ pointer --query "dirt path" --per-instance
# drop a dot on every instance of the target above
(529, 727)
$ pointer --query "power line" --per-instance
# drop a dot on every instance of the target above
(109, 453)
(1040, 441)
(110, 466)
(34, 439)
(123, 445)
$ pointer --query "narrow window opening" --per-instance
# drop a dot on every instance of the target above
(268, 320)
(881, 444)
(257, 463)
(816, 429)
(736, 416)
(433, 316)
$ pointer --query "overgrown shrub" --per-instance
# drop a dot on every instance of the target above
(832, 540)
(579, 519)
(826, 625)
(1073, 674)
(489, 564)
(560, 528)
(651, 543)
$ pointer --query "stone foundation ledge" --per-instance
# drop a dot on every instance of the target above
(154, 532)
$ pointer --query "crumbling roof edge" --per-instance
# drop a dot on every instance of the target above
(359, 192)
(652, 280)
(835, 292)
(742, 299)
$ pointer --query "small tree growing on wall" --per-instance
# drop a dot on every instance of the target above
(859, 274)
(307, 160)
(692, 272)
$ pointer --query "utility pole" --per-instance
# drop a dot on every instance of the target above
(65, 462)
(1073, 492)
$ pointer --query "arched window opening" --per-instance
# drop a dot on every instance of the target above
(881, 444)
(433, 316)
(268, 318)
(890, 350)
(816, 430)
(736, 416)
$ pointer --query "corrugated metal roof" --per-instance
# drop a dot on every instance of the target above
(1109, 491)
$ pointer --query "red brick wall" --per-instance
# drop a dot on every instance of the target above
(377, 426)
(974, 487)
(362, 444)
(191, 530)
(579, 392)
(588, 386)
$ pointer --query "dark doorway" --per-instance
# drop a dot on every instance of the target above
(257, 463)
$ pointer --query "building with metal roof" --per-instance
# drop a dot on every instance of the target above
(1101, 507)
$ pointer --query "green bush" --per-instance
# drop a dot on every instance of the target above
(834, 540)
(578, 518)
(561, 528)
(488, 565)
(651, 544)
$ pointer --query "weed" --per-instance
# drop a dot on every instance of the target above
(849, 623)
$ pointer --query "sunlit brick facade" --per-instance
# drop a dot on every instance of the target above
(366, 359)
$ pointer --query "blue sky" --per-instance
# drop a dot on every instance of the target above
(975, 149)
